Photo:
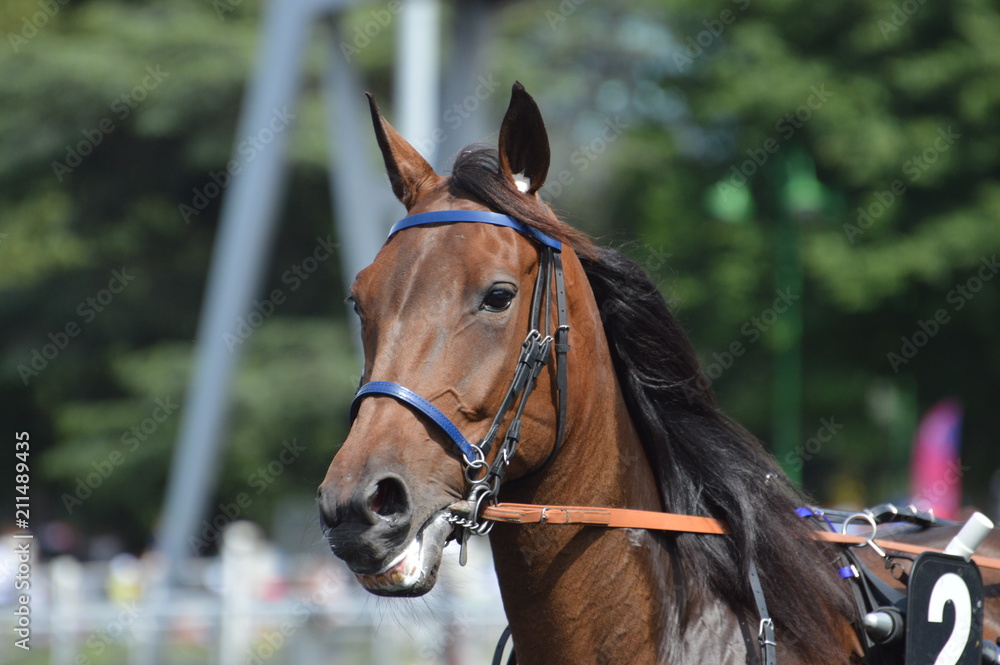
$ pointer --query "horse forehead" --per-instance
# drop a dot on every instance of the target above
(456, 253)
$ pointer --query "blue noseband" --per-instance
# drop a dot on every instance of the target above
(404, 394)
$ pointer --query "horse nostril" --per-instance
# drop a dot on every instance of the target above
(327, 511)
(389, 498)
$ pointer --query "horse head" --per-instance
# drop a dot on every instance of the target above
(445, 308)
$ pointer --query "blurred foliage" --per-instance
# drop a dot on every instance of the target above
(675, 137)
(102, 272)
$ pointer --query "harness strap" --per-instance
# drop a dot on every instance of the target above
(498, 654)
(870, 594)
(521, 513)
(982, 561)
(516, 513)
(562, 349)
(765, 632)
(533, 356)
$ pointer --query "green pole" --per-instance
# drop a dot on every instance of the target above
(801, 197)
(787, 386)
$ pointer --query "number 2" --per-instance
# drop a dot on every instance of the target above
(951, 587)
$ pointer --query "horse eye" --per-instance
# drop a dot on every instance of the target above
(497, 300)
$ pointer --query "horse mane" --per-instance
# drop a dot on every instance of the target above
(704, 462)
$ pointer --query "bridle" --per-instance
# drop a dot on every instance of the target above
(485, 477)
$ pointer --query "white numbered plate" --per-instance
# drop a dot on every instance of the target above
(944, 611)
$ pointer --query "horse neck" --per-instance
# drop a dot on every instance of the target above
(573, 592)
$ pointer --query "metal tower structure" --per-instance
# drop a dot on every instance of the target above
(363, 210)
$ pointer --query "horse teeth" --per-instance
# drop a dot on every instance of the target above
(404, 572)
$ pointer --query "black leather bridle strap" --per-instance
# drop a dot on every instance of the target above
(765, 631)
(562, 350)
(501, 644)
(538, 316)
(533, 356)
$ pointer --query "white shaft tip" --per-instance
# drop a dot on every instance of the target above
(970, 536)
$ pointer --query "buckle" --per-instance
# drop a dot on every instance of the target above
(765, 633)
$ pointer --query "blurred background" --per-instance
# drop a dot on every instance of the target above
(814, 186)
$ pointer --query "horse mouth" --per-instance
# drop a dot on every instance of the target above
(413, 571)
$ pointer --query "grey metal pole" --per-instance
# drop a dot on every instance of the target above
(247, 221)
(363, 203)
(418, 80)
(468, 80)
(246, 228)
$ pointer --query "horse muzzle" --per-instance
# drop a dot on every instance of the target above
(376, 534)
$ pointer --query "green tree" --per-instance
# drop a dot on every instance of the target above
(115, 116)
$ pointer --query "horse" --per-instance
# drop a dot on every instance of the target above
(610, 409)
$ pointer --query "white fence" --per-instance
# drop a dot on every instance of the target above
(251, 606)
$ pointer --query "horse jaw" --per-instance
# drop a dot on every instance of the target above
(413, 572)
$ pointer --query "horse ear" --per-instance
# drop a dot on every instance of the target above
(524, 143)
(409, 173)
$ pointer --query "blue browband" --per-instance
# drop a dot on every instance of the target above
(408, 396)
(483, 217)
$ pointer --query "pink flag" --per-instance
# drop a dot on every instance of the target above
(935, 471)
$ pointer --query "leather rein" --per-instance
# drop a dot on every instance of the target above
(522, 513)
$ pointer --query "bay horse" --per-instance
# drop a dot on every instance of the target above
(620, 417)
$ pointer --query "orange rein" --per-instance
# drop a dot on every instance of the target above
(523, 513)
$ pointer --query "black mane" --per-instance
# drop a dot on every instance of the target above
(704, 462)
